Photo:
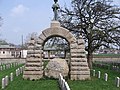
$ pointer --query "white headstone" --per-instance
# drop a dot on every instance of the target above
(117, 81)
(106, 77)
(11, 76)
(16, 72)
(99, 73)
(6, 80)
(1, 68)
(3, 83)
(21, 70)
(93, 72)
(11, 65)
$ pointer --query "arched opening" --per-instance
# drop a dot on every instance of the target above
(56, 47)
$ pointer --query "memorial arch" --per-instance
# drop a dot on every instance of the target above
(79, 69)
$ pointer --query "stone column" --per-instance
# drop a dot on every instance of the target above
(79, 66)
(33, 67)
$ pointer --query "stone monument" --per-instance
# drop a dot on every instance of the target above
(78, 70)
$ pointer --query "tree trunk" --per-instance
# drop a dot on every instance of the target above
(90, 55)
(89, 58)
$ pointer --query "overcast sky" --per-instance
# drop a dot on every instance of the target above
(21, 17)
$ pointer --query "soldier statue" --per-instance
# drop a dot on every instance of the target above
(55, 8)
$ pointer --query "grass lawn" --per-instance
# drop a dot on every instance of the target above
(49, 84)
(7, 72)
(20, 84)
(106, 55)
(95, 83)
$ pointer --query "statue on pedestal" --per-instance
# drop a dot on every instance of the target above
(55, 8)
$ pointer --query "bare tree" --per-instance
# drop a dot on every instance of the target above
(29, 37)
(98, 21)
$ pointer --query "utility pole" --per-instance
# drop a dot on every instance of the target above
(22, 48)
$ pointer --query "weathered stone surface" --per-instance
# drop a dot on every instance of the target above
(31, 42)
(55, 24)
(34, 60)
(33, 68)
(81, 46)
(39, 41)
(33, 72)
(56, 66)
(42, 36)
(73, 46)
(80, 77)
(69, 36)
(79, 68)
(78, 55)
(80, 73)
(32, 77)
(79, 64)
(76, 50)
(80, 41)
(30, 47)
(34, 64)
(34, 55)
(78, 60)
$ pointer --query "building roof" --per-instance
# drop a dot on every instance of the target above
(6, 47)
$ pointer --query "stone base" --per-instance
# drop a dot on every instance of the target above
(80, 77)
(32, 77)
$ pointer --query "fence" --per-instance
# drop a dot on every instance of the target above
(63, 84)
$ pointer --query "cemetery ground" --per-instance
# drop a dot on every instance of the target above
(95, 83)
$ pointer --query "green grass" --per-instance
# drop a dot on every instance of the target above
(106, 55)
(3, 73)
(95, 83)
(20, 84)
(50, 84)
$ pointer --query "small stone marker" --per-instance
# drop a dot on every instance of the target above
(6, 80)
(16, 72)
(11, 65)
(93, 72)
(106, 77)
(99, 73)
(1, 68)
(117, 81)
(3, 83)
(11, 77)
(21, 70)
(4, 67)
